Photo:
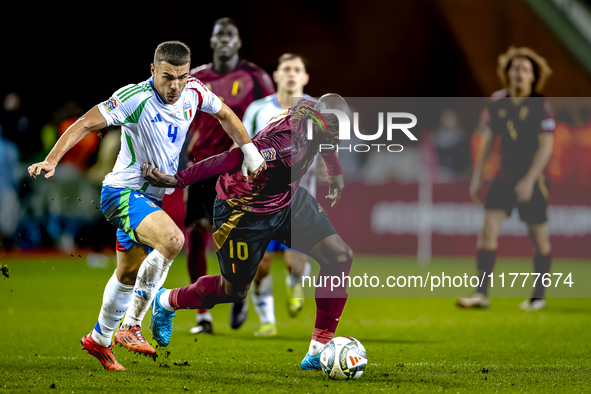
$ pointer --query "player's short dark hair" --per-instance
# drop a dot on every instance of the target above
(172, 52)
(290, 56)
(224, 21)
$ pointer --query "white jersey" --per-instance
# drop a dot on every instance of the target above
(256, 117)
(260, 112)
(152, 131)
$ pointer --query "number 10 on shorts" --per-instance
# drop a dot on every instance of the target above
(241, 250)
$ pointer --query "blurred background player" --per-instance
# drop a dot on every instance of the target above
(291, 78)
(237, 83)
(525, 123)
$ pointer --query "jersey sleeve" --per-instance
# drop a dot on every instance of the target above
(265, 82)
(484, 122)
(208, 101)
(115, 110)
(548, 124)
(250, 120)
(275, 147)
(333, 165)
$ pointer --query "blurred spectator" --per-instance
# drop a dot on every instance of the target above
(451, 145)
(100, 231)
(9, 202)
(50, 132)
(584, 115)
(15, 127)
(80, 156)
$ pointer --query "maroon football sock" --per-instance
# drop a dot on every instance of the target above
(196, 254)
(330, 301)
(205, 293)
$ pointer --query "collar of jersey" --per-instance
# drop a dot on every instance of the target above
(274, 99)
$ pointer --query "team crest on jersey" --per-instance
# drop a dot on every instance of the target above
(187, 111)
(502, 113)
(110, 105)
(269, 154)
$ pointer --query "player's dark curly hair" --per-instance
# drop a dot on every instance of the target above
(539, 64)
(175, 53)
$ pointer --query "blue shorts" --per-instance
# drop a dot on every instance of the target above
(125, 209)
(275, 246)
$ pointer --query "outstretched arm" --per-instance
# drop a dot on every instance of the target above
(525, 186)
(216, 165)
(336, 183)
(480, 165)
(253, 161)
(90, 122)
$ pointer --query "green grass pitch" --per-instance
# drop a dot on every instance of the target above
(413, 345)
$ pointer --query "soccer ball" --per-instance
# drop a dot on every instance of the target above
(343, 358)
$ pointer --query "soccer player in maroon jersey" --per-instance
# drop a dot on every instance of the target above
(524, 120)
(238, 83)
(249, 213)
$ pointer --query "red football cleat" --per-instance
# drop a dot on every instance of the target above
(133, 340)
(103, 354)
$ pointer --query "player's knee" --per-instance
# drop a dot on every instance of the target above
(126, 276)
(488, 237)
(342, 254)
(174, 242)
(543, 247)
(238, 294)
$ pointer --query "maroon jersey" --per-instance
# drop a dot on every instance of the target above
(288, 153)
(519, 126)
(237, 90)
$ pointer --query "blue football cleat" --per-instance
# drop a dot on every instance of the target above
(311, 362)
(161, 321)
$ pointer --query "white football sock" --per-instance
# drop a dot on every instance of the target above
(204, 316)
(164, 301)
(116, 299)
(150, 278)
(315, 347)
(293, 278)
(263, 301)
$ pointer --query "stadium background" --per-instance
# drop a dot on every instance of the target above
(423, 48)
(61, 59)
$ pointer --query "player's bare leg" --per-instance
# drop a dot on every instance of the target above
(198, 234)
(538, 234)
(335, 258)
(160, 232)
(262, 297)
(486, 244)
(297, 264)
(116, 298)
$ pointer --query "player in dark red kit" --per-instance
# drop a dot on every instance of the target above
(524, 120)
(238, 83)
(249, 213)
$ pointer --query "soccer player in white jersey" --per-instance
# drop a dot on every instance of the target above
(154, 116)
(291, 78)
